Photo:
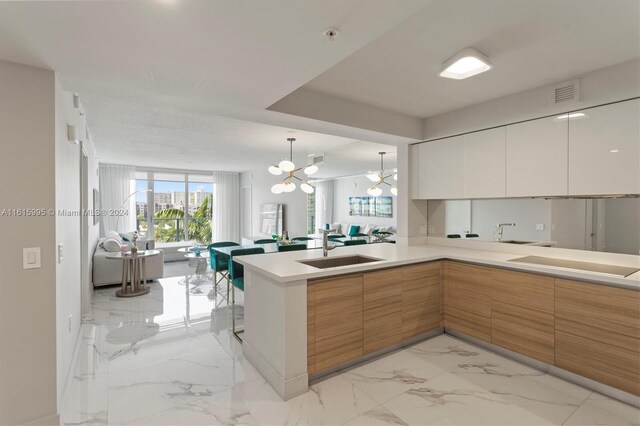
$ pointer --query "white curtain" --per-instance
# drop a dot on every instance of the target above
(115, 187)
(324, 203)
(226, 206)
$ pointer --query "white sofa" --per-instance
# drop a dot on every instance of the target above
(109, 271)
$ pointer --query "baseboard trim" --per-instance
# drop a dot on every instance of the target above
(551, 369)
(286, 388)
(52, 420)
(315, 378)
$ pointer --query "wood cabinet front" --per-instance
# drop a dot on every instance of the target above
(422, 308)
(522, 317)
(468, 299)
(338, 321)
(382, 309)
(598, 333)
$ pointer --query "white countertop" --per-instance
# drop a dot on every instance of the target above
(285, 267)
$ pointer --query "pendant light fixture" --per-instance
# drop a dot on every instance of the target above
(379, 179)
(287, 167)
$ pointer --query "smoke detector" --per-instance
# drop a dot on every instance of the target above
(331, 33)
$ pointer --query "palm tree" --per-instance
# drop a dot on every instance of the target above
(199, 224)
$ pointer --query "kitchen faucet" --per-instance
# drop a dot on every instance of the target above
(325, 243)
(499, 229)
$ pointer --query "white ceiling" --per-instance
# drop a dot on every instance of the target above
(158, 77)
(136, 134)
(187, 84)
(531, 43)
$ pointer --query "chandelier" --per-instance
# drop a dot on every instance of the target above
(287, 167)
(379, 179)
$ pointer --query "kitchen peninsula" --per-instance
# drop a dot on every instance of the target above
(304, 322)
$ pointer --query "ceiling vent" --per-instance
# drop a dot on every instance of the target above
(566, 92)
(317, 159)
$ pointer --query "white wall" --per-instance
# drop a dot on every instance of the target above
(28, 302)
(70, 296)
(607, 85)
(295, 203)
(525, 213)
(357, 187)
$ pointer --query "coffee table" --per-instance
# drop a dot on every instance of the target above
(133, 271)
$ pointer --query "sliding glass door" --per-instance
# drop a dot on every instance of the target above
(174, 207)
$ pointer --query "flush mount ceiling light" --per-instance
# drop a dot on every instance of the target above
(464, 64)
(379, 179)
(287, 167)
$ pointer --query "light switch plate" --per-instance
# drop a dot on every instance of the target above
(540, 227)
(60, 253)
(432, 229)
(31, 258)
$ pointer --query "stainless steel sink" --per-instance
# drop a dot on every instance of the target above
(332, 262)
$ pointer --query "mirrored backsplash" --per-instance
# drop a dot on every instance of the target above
(607, 225)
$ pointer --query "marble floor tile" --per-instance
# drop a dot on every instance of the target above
(169, 358)
(601, 410)
(485, 398)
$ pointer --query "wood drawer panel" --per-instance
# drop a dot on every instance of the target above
(522, 314)
(598, 312)
(533, 292)
(468, 288)
(382, 309)
(514, 329)
(468, 323)
(421, 306)
(338, 321)
(311, 329)
(616, 367)
(337, 350)
(430, 272)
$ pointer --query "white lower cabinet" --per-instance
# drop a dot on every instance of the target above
(604, 150)
(537, 157)
(484, 173)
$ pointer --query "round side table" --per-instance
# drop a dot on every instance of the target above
(133, 271)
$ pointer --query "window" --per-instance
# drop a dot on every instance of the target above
(176, 207)
(311, 213)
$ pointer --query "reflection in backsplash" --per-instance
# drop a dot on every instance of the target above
(609, 225)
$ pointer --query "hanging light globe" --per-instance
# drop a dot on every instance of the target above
(309, 170)
(394, 191)
(289, 186)
(278, 188)
(275, 170)
(374, 191)
(306, 188)
(286, 166)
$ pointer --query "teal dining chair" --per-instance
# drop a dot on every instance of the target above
(354, 242)
(220, 262)
(292, 247)
(265, 241)
(236, 278)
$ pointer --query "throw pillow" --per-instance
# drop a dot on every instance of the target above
(111, 245)
(353, 229)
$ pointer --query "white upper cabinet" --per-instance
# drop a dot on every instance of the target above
(604, 150)
(537, 157)
(440, 171)
(484, 164)
(414, 168)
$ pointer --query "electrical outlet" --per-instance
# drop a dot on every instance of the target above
(60, 253)
(432, 229)
(540, 227)
(423, 229)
